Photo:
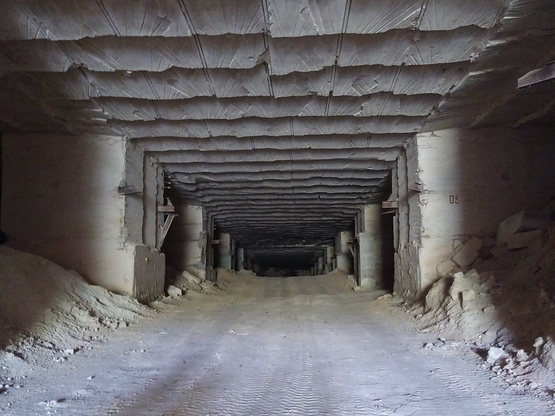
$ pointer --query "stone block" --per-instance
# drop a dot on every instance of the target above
(522, 221)
(523, 239)
(446, 267)
(467, 253)
(494, 354)
(465, 287)
(174, 292)
(191, 278)
(472, 275)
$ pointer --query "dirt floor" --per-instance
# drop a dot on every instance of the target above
(267, 346)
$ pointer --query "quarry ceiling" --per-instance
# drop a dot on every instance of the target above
(281, 117)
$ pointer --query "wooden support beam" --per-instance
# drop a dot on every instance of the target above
(351, 244)
(390, 204)
(166, 208)
(166, 227)
(128, 190)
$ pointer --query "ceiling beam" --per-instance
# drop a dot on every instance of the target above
(537, 76)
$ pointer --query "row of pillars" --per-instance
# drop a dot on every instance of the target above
(338, 256)
(244, 262)
(361, 256)
(231, 257)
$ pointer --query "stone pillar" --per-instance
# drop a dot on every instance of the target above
(240, 258)
(370, 245)
(321, 264)
(330, 256)
(60, 201)
(185, 242)
(224, 253)
(344, 258)
(312, 271)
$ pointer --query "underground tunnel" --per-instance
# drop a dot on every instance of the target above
(277, 207)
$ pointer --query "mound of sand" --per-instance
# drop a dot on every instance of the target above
(43, 305)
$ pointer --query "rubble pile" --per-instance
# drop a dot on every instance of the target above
(186, 282)
(245, 273)
(499, 294)
(47, 310)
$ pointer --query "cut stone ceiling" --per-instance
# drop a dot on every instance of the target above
(281, 117)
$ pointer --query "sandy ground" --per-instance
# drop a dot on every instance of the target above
(268, 346)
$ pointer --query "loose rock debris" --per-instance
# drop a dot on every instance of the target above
(502, 303)
(341, 317)
(499, 296)
(174, 292)
(49, 314)
(187, 282)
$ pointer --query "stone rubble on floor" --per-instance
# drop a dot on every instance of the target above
(499, 296)
(174, 292)
(188, 281)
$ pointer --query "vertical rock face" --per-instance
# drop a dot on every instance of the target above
(72, 211)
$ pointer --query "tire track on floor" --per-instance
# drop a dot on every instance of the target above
(179, 375)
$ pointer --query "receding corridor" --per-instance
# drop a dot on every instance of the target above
(277, 207)
(272, 346)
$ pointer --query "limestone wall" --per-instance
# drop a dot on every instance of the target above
(464, 183)
(60, 200)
